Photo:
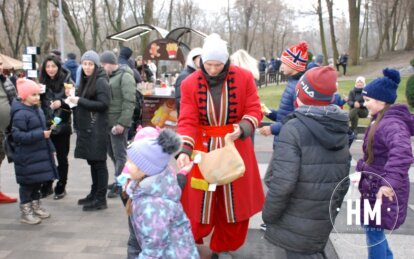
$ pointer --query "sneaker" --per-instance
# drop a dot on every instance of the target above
(115, 191)
(6, 199)
(263, 227)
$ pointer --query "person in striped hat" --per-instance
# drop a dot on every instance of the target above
(293, 66)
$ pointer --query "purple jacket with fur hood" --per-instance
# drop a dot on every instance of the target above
(392, 160)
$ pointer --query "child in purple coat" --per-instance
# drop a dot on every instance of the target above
(160, 224)
(387, 159)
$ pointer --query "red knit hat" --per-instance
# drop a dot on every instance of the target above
(317, 86)
(296, 56)
(26, 87)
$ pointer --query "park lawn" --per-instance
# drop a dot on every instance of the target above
(271, 94)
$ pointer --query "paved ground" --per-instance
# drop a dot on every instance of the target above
(72, 233)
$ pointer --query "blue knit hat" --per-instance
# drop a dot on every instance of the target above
(152, 155)
(384, 88)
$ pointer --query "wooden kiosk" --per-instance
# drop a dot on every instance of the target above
(169, 54)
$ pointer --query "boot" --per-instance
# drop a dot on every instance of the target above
(6, 199)
(87, 200)
(95, 205)
(27, 214)
(60, 191)
(39, 211)
(46, 189)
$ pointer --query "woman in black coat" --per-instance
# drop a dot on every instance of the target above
(53, 76)
(92, 100)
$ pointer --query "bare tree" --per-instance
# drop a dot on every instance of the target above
(329, 4)
(410, 27)
(322, 32)
(44, 25)
(353, 46)
(148, 17)
(386, 28)
(15, 35)
(74, 29)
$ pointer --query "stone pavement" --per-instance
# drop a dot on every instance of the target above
(72, 233)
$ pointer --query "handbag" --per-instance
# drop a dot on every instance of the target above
(221, 166)
(9, 146)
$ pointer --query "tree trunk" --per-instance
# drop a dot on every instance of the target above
(322, 33)
(76, 34)
(354, 13)
(387, 26)
(95, 25)
(148, 16)
(248, 10)
(410, 27)
(329, 4)
(169, 19)
(44, 25)
(229, 25)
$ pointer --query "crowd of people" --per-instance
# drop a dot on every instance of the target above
(170, 212)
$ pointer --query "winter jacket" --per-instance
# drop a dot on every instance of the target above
(286, 106)
(72, 66)
(7, 94)
(55, 90)
(338, 100)
(262, 65)
(160, 224)
(124, 59)
(355, 95)
(33, 161)
(183, 75)
(392, 160)
(92, 121)
(123, 89)
(310, 160)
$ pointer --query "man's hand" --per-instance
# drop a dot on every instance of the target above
(265, 131)
(356, 104)
(236, 132)
(118, 129)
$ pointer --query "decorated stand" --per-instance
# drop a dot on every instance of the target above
(169, 53)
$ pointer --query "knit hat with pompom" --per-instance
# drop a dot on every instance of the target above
(296, 56)
(384, 88)
(152, 155)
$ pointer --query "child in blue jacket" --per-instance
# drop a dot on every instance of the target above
(33, 161)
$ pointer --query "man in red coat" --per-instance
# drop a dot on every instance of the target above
(217, 99)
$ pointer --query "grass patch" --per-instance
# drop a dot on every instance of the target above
(271, 94)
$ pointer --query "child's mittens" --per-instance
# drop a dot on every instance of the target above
(122, 179)
(181, 176)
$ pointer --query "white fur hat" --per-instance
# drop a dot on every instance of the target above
(215, 48)
(193, 53)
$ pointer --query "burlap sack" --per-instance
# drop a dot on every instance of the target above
(221, 166)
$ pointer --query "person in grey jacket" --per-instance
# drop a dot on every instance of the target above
(310, 160)
(122, 83)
